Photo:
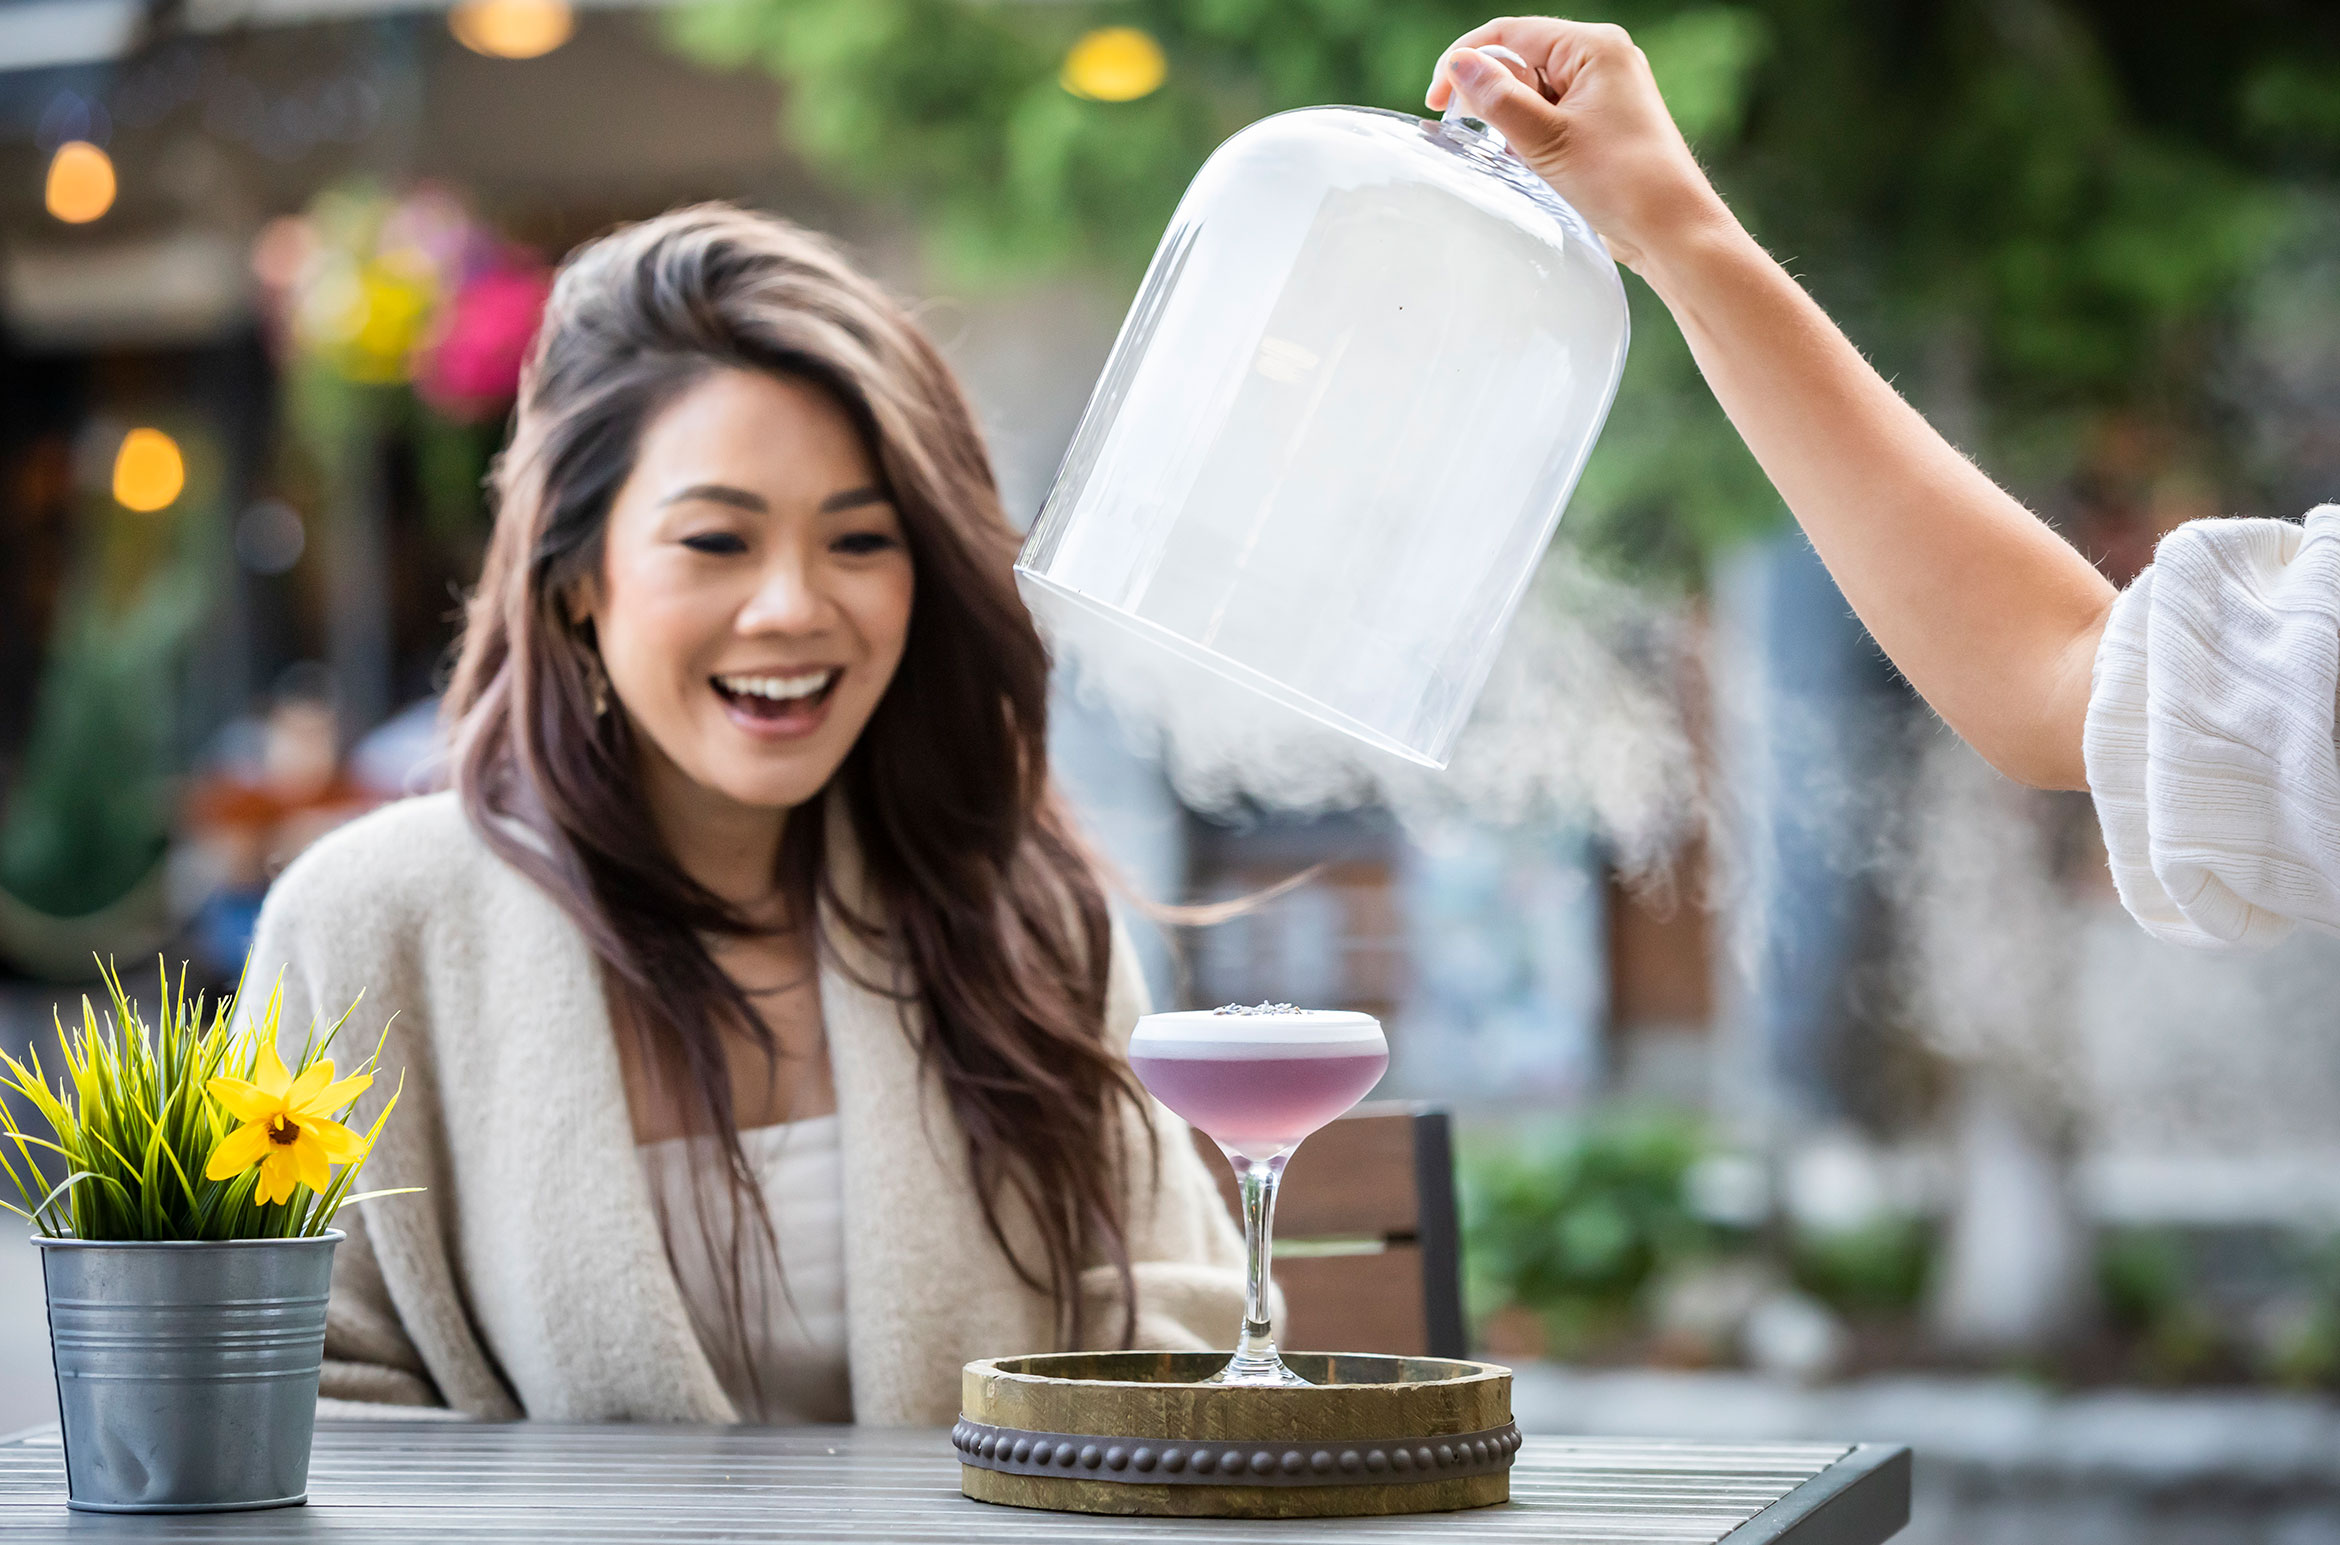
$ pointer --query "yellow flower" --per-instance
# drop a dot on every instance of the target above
(288, 1127)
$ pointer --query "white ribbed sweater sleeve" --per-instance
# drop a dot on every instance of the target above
(2210, 735)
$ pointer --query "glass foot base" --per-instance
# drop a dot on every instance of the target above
(1268, 1370)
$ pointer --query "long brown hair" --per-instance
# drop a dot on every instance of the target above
(984, 903)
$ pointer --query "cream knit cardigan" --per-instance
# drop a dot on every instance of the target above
(2210, 736)
(529, 1277)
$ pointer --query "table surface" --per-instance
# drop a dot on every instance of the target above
(375, 1483)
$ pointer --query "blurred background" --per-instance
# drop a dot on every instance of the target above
(1811, 1079)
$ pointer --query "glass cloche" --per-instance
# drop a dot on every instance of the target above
(1339, 425)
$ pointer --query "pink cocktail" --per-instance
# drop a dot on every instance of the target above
(1257, 1081)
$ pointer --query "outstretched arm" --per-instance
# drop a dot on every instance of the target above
(1991, 615)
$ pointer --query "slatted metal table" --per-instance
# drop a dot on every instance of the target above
(406, 1483)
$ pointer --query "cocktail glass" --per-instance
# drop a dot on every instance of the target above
(1256, 1081)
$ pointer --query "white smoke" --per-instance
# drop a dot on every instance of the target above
(1582, 724)
(1989, 931)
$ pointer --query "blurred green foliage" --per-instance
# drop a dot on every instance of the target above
(89, 813)
(1582, 1226)
(954, 106)
(2171, 1299)
(1877, 1268)
(1574, 1226)
(2302, 1349)
(2153, 1303)
(2141, 1274)
(2035, 214)
(1591, 1226)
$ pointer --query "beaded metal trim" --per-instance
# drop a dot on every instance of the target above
(1345, 1462)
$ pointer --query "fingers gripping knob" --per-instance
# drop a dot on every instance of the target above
(1460, 62)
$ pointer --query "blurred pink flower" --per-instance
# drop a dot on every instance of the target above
(474, 368)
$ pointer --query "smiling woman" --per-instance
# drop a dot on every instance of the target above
(755, 593)
(766, 1022)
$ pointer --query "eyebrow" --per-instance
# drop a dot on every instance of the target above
(742, 499)
(854, 499)
(718, 493)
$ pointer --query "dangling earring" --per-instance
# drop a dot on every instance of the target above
(600, 679)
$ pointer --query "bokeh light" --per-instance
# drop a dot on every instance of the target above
(282, 251)
(149, 472)
(81, 182)
(270, 537)
(512, 29)
(1114, 64)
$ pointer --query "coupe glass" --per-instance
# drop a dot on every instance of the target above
(1256, 1081)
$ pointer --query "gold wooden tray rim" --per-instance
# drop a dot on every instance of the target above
(1472, 1373)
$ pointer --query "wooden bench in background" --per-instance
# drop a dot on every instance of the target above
(1368, 1249)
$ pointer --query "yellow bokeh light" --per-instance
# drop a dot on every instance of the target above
(1114, 64)
(149, 472)
(512, 29)
(81, 182)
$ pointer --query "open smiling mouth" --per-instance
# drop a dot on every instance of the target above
(778, 702)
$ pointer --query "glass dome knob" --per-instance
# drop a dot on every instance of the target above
(1456, 117)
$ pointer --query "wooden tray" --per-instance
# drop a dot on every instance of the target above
(1138, 1432)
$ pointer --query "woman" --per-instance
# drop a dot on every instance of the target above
(760, 1018)
(2197, 706)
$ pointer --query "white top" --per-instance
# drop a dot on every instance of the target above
(796, 1314)
(2210, 737)
(1277, 1031)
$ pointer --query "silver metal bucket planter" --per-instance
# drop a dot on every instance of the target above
(187, 1372)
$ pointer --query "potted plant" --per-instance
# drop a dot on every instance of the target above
(183, 1200)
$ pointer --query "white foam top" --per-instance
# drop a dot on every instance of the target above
(1283, 1032)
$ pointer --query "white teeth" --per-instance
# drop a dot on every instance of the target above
(778, 688)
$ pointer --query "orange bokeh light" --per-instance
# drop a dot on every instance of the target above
(512, 29)
(149, 472)
(81, 182)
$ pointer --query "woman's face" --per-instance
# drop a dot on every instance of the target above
(754, 590)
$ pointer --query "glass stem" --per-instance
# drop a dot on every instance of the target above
(1258, 1177)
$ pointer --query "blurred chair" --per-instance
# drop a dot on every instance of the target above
(1367, 1247)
